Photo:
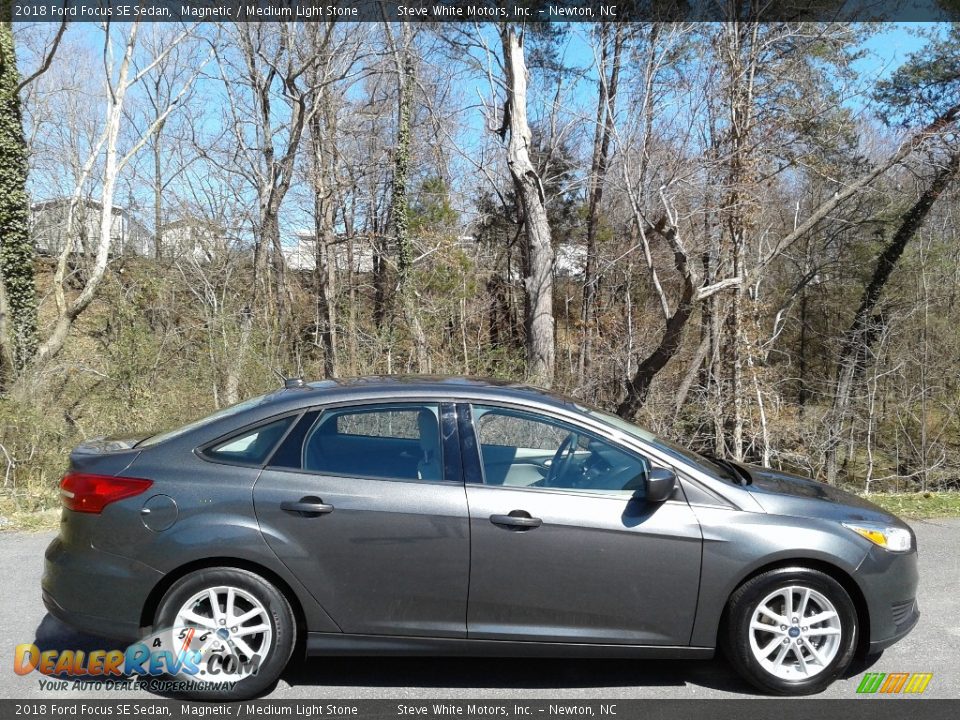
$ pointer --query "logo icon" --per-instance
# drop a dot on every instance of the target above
(894, 683)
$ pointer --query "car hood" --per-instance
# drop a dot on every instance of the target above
(783, 493)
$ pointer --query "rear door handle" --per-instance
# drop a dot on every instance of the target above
(307, 506)
(517, 520)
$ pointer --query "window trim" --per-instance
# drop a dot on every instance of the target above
(386, 403)
(549, 418)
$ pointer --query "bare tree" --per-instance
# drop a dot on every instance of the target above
(119, 79)
(538, 283)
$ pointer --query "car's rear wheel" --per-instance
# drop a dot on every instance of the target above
(239, 627)
(791, 631)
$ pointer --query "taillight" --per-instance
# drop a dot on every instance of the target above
(83, 492)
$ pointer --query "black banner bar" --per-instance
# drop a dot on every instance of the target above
(863, 708)
(531, 11)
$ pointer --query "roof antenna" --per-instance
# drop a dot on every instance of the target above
(289, 383)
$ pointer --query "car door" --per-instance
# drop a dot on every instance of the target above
(366, 505)
(563, 546)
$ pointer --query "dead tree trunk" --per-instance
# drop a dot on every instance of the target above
(538, 283)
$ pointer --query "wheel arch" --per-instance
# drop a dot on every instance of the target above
(160, 589)
(844, 578)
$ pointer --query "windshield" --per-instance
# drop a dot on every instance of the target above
(668, 447)
(218, 415)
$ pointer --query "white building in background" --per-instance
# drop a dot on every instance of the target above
(48, 229)
(302, 254)
(570, 260)
(194, 237)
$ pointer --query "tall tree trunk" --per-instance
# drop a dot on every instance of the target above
(158, 195)
(868, 326)
(603, 131)
(538, 283)
(802, 360)
(739, 43)
(324, 270)
(19, 342)
(400, 209)
(6, 349)
(231, 386)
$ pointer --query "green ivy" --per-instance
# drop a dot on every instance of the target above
(16, 250)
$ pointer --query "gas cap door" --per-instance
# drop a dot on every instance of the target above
(159, 513)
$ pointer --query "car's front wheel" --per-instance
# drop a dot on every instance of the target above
(239, 629)
(791, 631)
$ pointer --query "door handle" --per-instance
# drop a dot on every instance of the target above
(516, 520)
(307, 506)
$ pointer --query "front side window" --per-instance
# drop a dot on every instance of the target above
(394, 442)
(250, 447)
(520, 449)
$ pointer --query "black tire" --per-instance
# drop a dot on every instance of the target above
(283, 626)
(740, 610)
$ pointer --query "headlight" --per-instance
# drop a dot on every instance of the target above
(890, 538)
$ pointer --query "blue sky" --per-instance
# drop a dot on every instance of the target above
(890, 47)
(886, 50)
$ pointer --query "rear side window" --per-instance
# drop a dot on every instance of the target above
(250, 447)
(393, 442)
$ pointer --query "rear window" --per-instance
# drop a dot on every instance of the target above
(251, 447)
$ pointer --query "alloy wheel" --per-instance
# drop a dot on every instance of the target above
(232, 628)
(795, 632)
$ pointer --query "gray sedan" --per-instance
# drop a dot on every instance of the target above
(451, 516)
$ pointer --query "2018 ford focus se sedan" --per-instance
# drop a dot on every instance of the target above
(446, 516)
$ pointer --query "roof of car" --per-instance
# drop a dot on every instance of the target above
(376, 385)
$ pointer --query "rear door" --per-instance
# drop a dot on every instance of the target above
(366, 505)
(564, 547)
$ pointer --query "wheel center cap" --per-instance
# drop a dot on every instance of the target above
(223, 633)
(794, 632)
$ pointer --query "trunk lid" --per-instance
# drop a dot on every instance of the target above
(106, 455)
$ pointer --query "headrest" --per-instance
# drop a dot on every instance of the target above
(429, 430)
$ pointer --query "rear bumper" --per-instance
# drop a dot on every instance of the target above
(96, 592)
(889, 582)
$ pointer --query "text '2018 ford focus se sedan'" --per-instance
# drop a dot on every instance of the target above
(445, 516)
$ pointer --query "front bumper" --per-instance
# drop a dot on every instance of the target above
(96, 592)
(889, 583)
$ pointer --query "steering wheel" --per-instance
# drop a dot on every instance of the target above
(561, 460)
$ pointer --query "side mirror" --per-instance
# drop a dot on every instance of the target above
(660, 485)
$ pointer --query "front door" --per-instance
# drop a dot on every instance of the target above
(366, 506)
(564, 548)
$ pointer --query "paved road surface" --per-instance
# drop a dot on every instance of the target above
(931, 647)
